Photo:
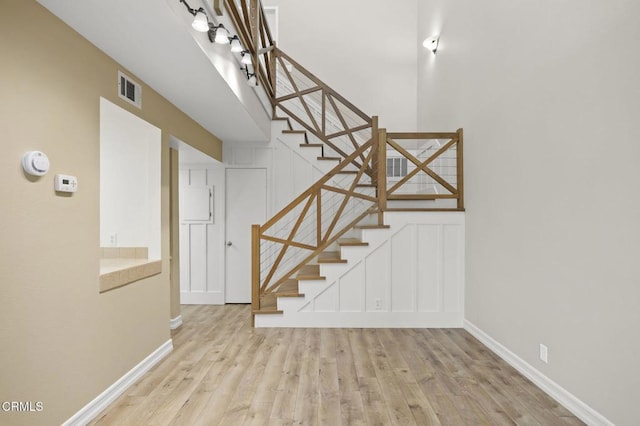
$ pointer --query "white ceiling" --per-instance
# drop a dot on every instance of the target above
(153, 42)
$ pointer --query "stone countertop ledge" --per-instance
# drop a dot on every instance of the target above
(120, 266)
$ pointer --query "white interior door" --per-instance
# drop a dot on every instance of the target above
(246, 205)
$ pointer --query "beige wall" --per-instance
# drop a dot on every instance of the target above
(62, 342)
(358, 50)
(548, 94)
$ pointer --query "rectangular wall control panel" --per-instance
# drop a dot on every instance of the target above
(66, 183)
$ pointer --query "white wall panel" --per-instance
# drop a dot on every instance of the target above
(352, 288)
(202, 244)
(377, 278)
(403, 270)
(429, 274)
(198, 258)
(327, 300)
(452, 257)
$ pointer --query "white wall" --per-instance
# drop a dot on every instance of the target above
(548, 95)
(129, 180)
(363, 49)
(290, 169)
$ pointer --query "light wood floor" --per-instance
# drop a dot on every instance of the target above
(222, 371)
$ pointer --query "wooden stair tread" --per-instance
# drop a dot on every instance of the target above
(330, 257)
(425, 209)
(289, 286)
(309, 272)
(310, 277)
(297, 132)
(330, 158)
(284, 119)
(309, 269)
(373, 226)
(365, 185)
(351, 242)
(348, 172)
(267, 311)
(311, 145)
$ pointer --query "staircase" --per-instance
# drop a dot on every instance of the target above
(373, 179)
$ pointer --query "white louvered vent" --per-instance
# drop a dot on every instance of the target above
(129, 90)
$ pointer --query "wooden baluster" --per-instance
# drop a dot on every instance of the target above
(376, 150)
(255, 268)
(460, 170)
(255, 37)
(272, 66)
(319, 218)
(217, 7)
(382, 173)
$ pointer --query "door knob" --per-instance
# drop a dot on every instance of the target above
(229, 244)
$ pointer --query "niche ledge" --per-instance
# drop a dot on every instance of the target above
(120, 266)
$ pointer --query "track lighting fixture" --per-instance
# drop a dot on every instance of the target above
(220, 35)
(200, 21)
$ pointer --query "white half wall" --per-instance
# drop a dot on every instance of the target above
(411, 275)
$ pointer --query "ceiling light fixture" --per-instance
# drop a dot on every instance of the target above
(431, 43)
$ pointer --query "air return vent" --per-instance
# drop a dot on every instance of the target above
(129, 90)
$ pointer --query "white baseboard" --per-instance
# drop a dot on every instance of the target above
(175, 322)
(554, 390)
(92, 409)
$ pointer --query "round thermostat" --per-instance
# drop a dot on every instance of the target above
(35, 163)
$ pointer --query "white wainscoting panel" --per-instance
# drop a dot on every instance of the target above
(411, 275)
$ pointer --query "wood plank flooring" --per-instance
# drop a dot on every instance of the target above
(223, 372)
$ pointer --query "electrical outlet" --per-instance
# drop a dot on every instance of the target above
(544, 353)
(113, 240)
(378, 304)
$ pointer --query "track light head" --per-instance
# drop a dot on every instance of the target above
(221, 35)
(200, 22)
(246, 57)
(236, 46)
